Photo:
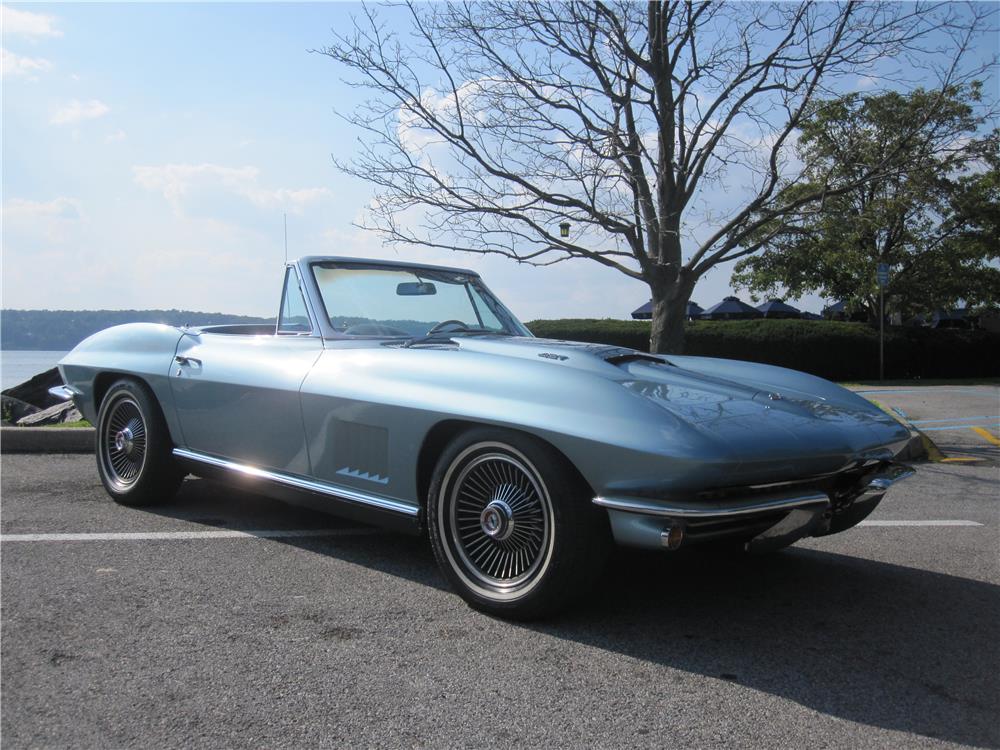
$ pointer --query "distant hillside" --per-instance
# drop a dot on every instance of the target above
(60, 330)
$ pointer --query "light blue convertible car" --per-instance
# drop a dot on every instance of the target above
(408, 395)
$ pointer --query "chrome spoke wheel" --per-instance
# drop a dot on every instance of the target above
(123, 442)
(499, 520)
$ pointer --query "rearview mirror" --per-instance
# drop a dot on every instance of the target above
(415, 289)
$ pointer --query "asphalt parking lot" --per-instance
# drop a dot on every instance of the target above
(166, 630)
(962, 420)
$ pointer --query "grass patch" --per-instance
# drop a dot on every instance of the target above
(924, 381)
(69, 425)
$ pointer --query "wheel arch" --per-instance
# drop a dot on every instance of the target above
(443, 432)
(106, 378)
(153, 475)
(103, 382)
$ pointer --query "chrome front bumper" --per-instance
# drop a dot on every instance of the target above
(63, 392)
(762, 517)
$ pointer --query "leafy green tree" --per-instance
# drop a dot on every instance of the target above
(931, 212)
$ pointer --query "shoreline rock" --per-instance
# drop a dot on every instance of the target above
(14, 409)
(62, 412)
(35, 390)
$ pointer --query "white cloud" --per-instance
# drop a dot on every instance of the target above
(77, 111)
(13, 64)
(61, 208)
(25, 23)
(52, 222)
(118, 135)
(178, 182)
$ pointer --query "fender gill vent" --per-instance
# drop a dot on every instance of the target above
(362, 450)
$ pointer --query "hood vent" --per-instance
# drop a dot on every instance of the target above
(631, 356)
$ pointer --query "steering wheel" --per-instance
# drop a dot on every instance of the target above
(443, 323)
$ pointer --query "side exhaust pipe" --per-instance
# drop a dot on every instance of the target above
(672, 537)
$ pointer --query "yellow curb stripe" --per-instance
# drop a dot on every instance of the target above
(986, 434)
(957, 460)
(934, 453)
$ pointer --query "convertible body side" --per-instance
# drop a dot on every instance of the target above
(409, 396)
(350, 420)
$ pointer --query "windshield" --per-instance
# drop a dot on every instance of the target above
(405, 303)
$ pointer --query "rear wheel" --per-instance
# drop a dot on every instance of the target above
(512, 525)
(133, 447)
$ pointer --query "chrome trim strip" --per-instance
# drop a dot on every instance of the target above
(341, 493)
(879, 483)
(884, 479)
(291, 268)
(654, 508)
(63, 392)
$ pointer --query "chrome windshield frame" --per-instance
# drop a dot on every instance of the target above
(512, 325)
(315, 329)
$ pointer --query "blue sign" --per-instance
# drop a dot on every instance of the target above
(882, 274)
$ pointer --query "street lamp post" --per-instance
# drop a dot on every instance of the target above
(882, 277)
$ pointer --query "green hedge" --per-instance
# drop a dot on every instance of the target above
(838, 351)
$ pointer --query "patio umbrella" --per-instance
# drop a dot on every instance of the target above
(950, 319)
(836, 310)
(646, 311)
(776, 308)
(643, 313)
(694, 310)
(730, 309)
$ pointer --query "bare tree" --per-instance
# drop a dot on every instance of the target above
(491, 124)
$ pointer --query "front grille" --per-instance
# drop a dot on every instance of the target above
(840, 487)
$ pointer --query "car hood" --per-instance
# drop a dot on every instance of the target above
(762, 416)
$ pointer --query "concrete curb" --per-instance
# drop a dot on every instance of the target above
(917, 448)
(46, 440)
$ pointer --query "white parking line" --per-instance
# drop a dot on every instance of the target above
(919, 523)
(993, 417)
(994, 424)
(123, 536)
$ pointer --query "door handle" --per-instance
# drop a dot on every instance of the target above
(187, 360)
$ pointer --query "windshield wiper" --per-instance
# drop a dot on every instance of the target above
(446, 335)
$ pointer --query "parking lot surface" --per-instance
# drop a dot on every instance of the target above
(164, 628)
(962, 420)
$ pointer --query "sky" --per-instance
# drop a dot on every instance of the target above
(150, 152)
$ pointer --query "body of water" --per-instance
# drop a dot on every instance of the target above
(17, 366)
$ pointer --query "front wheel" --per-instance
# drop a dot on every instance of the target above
(512, 524)
(133, 447)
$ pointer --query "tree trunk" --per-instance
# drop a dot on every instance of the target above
(666, 333)
(669, 283)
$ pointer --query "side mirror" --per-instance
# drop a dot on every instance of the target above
(415, 289)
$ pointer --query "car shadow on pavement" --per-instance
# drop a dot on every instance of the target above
(222, 506)
(871, 642)
(880, 644)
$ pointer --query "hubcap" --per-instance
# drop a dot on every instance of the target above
(124, 440)
(500, 521)
(123, 447)
(497, 520)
